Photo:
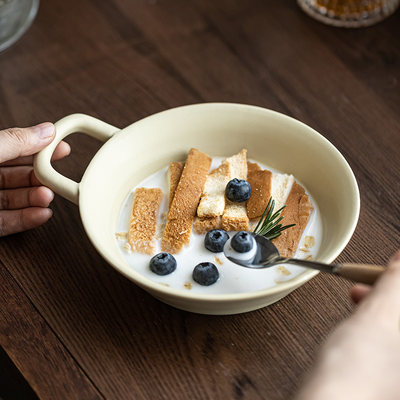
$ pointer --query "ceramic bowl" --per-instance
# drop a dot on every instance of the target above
(218, 129)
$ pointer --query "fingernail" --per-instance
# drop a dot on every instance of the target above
(45, 130)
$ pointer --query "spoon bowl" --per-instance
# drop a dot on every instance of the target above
(265, 255)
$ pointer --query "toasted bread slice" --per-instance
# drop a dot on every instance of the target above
(184, 204)
(251, 167)
(143, 220)
(297, 211)
(174, 171)
(203, 225)
(235, 216)
(212, 202)
(280, 188)
(260, 182)
(238, 165)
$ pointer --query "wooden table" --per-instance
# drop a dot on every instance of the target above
(74, 327)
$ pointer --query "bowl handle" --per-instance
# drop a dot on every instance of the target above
(44, 171)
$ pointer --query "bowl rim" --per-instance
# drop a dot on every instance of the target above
(281, 288)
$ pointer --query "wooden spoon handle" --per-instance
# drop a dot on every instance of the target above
(363, 273)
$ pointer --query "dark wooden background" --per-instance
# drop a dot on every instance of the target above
(73, 326)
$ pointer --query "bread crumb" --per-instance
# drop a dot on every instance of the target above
(164, 284)
(304, 250)
(218, 260)
(187, 285)
(309, 257)
(283, 270)
(308, 242)
(121, 236)
(127, 247)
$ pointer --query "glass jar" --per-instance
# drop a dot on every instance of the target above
(15, 18)
(349, 13)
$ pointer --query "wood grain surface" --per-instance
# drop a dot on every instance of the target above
(74, 327)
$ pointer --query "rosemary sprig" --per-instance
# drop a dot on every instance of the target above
(269, 225)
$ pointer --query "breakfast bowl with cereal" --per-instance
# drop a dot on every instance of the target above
(162, 197)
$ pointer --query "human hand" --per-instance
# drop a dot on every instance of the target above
(23, 201)
(361, 359)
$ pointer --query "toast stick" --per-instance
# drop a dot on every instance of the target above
(212, 202)
(184, 204)
(235, 216)
(251, 167)
(174, 171)
(203, 225)
(143, 220)
(297, 211)
(260, 182)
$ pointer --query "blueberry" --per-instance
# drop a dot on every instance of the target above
(163, 264)
(215, 240)
(238, 190)
(205, 273)
(242, 242)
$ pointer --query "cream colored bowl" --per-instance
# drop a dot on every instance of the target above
(218, 129)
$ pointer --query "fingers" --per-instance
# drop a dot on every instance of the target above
(17, 177)
(23, 207)
(383, 303)
(21, 142)
(62, 150)
(26, 197)
(359, 291)
(21, 220)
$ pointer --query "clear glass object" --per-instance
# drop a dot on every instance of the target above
(349, 13)
(15, 18)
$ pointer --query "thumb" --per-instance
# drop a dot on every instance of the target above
(18, 142)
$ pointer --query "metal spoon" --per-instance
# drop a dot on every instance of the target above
(267, 255)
